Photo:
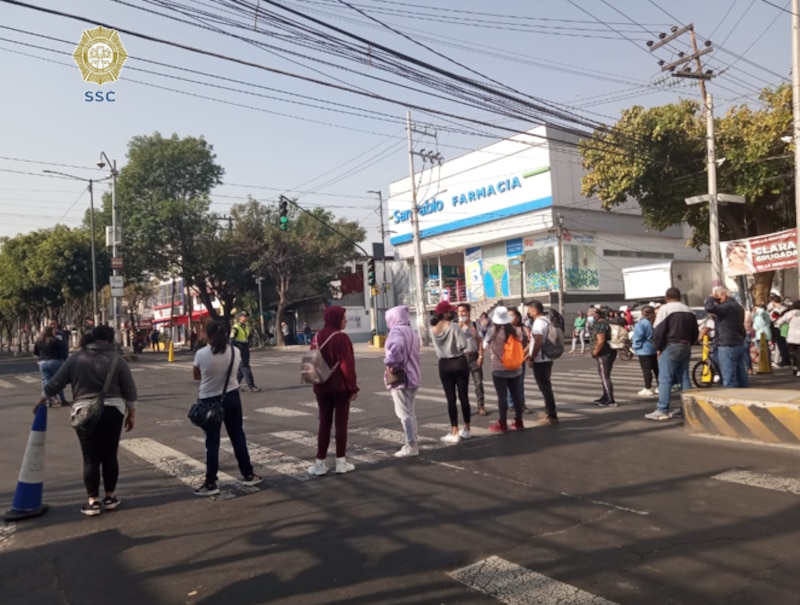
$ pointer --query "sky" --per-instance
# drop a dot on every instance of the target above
(294, 107)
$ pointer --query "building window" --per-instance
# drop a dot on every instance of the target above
(638, 254)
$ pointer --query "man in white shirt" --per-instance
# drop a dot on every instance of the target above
(542, 366)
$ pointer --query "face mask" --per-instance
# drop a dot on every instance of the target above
(463, 318)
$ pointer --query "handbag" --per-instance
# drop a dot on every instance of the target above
(85, 416)
(396, 377)
(208, 413)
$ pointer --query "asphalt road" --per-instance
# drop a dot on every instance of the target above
(605, 508)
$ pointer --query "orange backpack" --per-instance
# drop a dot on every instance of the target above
(513, 354)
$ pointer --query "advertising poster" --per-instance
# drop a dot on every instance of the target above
(760, 253)
(474, 274)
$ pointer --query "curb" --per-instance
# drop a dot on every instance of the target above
(765, 415)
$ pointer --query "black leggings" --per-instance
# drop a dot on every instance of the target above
(99, 448)
(454, 374)
(649, 364)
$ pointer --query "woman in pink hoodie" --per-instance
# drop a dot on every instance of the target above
(402, 357)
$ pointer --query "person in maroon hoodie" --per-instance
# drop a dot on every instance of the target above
(335, 394)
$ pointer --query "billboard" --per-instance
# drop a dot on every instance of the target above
(760, 253)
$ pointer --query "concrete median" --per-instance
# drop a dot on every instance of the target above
(767, 415)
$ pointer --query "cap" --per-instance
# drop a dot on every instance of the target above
(444, 307)
(242, 314)
(501, 316)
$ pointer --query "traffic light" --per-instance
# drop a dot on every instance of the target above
(284, 212)
(371, 272)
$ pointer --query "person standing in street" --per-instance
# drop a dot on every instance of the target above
(240, 338)
(579, 331)
(673, 336)
(474, 354)
(307, 332)
(49, 352)
(87, 371)
(450, 344)
(731, 334)
(154, 338)
(335, 395)
(791, 319)
(507, 381)
(210, 367)
(402, 376)
(643, 347)
(542, 365)
(605, 356)
(776, 308)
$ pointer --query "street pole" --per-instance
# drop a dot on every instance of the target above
(796, 118)
(94, 259)
(560, 236)
(713, 201)
(114, 299)
(420, 306)
(261, 307)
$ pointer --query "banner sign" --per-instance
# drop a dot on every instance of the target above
(759, 254)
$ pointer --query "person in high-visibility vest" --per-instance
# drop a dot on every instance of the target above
(240, 337)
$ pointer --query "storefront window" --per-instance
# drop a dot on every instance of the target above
(540, 270)
(580, 268)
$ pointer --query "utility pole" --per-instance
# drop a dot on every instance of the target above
(420, 299)
(95, 317)
(560, 236)
(796, 117)
(711, 157)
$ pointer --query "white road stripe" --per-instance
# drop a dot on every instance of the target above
(357, 452)
(264, 457)
(6, 385)
(476, 431)
(313, 404)
(29, 378)
(396, 436)
(185, 469)
(284, 412)
(515, 585)
(772, 482)
(7, 535)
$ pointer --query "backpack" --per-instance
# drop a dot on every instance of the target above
(620, 338)
(553, 345)
(313, 368)
(513, 354)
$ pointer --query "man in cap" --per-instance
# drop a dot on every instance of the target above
(605, 357)
(240, 337)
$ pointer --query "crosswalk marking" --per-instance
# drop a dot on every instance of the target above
(264, 457)
(357, 452)
(6, 385)
(397, 436)
(284, 412)
(762, 480)
(172, 462)
(28, 378)
(313, 404)
(475, 431)
(512, 584)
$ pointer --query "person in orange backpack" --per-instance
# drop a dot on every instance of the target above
(504, 340)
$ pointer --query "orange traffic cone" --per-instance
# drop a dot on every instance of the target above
(28, 497)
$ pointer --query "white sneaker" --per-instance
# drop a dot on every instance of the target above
(646, 392)
(464, 434)
(343, 466)
(319, 468)
(450, 438)
(407, 451)
(657, 415)
(655, 390)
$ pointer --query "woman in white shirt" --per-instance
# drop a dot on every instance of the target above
(212, 364)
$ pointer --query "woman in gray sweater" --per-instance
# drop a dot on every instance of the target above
(450, 343)
(86, 371)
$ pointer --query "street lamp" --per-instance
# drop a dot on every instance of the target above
(95, 314)
(101, 163)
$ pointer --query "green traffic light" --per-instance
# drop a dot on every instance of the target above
(284, 219)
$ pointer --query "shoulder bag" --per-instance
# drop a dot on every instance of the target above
(208, 413)
(85, 416)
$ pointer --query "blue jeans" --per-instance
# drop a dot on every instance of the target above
(48, 368)
(733, 365)
(515, 387)
(673, 368)
(232, 406)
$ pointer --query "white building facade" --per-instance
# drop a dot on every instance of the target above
(488, 227)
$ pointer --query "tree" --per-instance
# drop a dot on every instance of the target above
(656, 156)
(303, 260)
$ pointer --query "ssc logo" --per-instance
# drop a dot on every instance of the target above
(100, 55)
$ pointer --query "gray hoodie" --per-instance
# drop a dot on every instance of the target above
(451, 343)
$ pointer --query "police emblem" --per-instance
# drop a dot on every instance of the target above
(100, 55)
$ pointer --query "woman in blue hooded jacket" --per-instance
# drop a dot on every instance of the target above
(402, 358)
(643, 347)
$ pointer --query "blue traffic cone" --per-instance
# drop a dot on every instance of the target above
(28, 497)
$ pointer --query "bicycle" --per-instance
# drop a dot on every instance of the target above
(705, 373)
